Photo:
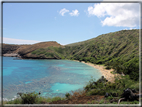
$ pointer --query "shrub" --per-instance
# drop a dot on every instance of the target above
(67, 95)
(88, 102)
(101, 101)
(108, 67)
(56, 98)
(110, 97)
(29, 98)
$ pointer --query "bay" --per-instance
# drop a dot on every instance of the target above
(49, 77)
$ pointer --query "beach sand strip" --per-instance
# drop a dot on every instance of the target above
(106, 73)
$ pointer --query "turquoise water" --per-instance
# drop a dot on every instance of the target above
(50, 77)
(28, 82)
(60, 87)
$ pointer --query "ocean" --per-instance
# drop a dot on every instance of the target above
(49, 77)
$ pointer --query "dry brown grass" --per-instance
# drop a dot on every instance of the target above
(29, 48)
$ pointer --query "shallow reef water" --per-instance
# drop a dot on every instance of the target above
(49, 77)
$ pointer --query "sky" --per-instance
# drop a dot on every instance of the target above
(65, 23)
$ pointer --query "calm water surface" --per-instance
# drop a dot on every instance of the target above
(50, 77)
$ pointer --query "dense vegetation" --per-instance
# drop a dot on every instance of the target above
(118, 50)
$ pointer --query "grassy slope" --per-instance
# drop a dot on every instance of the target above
(118, 50)
(122, 43)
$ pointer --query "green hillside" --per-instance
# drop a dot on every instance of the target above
(118, 50)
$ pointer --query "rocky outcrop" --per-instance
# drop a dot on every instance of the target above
(129, 94)
(11, 55)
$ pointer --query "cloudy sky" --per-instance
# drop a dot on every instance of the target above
(28, 23)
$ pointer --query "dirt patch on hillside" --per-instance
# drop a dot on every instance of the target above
(80, 100)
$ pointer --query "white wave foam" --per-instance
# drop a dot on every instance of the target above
(6, 99)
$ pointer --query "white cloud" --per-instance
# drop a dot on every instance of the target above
(18, 41)
(132, 28)
(125, 29)
(63, 11)
(117, 14)
(74, 13)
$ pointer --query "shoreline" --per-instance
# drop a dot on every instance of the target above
(106, 73)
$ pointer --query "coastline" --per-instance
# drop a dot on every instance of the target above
(106, 73)
(11, 55)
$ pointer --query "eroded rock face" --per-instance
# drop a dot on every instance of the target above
(7, 49)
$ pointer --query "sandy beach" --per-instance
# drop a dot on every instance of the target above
(106, 73)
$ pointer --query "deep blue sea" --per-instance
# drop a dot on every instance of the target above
(50, 77)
